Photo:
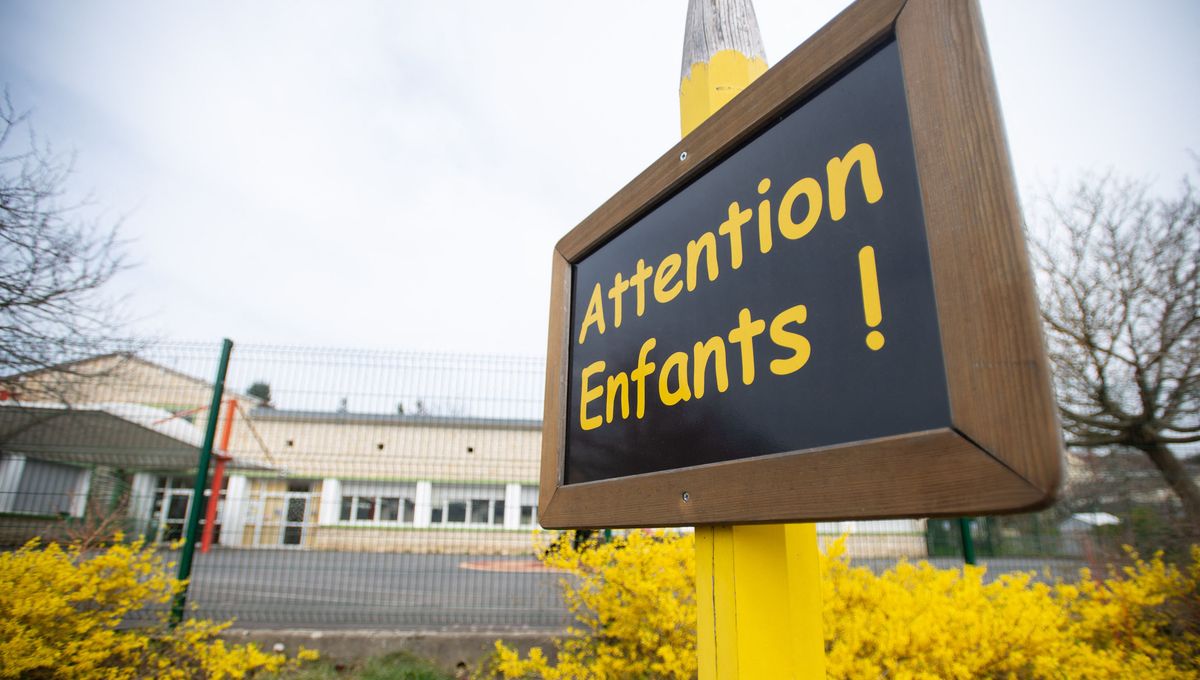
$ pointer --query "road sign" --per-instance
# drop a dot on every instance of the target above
(817, 306)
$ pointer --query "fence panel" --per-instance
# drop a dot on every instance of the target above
(399, 490)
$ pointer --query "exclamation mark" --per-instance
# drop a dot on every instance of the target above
(870, 292)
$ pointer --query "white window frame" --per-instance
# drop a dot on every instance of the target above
(469, 495)
(406, 506)
(532, 517)
(354, 494)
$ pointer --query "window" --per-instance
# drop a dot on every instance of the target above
(479, 510)
(472, 505)
(389, 509)
(529, 499)
(395, 509)
(172, 503)
(41, 487)
(378, 502)
(364, 509)
(528, 514)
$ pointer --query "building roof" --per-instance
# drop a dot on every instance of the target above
(127, 436)
(69, 367)
(427, 420)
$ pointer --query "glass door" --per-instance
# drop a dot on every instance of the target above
(295, 519)
(172, 513)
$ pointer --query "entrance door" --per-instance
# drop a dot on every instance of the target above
(173, 514)
(295, 518)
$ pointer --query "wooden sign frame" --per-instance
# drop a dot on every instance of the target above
(1003, 452)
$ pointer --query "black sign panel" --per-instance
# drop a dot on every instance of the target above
(781, 301)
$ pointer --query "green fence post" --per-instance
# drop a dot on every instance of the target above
(193, 524)
(968, 543)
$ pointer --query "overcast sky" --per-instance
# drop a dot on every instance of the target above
(394, 175)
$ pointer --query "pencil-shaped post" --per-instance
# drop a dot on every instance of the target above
(758, 588)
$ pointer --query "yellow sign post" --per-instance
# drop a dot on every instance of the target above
(758, 587)
(858, 196)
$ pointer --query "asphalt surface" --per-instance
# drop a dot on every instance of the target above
(332, 590)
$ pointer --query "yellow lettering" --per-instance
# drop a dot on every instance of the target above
(732, 228)
(619, 381)
(789, 340)
(787, 226)
(638, 280)
(838, 171)
(643, 369)
(664, 292)
(764, 218)
(708, 244)
(588, 395)
(703, 351)
(594, 314)
(743, 336)
(620, 285)
(676, 363)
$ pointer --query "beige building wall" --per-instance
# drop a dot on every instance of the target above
(877, 538)
(880, 545)
(427, 541)
(115, 378)
(453, 455)
(351, 448)
(264, 526)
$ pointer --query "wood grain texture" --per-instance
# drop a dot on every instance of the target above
(928, 473)
(715, 25)
(996, 363)
(850, 35)
(554, 418)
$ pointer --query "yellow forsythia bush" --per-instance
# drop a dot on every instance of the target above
(917, 621)
(61, 612)
(636, 599)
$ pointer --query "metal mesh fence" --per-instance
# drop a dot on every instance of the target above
(399, 490)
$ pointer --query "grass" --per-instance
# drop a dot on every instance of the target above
(395, 666)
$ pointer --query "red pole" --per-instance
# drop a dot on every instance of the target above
(223, 457)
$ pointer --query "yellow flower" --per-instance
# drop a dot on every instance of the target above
(61, 612)
(635, 601)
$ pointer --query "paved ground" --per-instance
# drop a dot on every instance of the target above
(327, 590)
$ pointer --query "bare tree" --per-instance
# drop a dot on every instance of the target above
(1119, 276)
(54, 261)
